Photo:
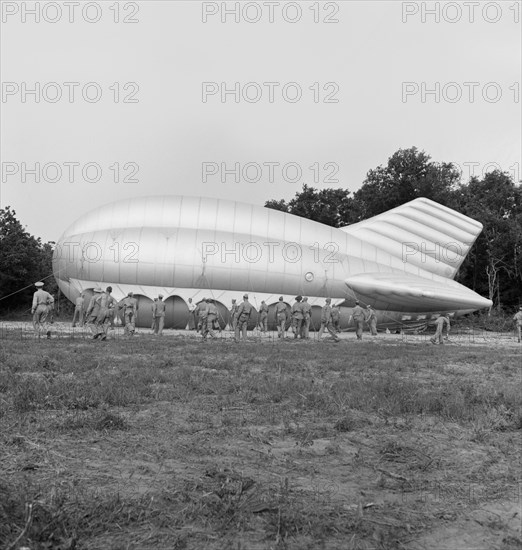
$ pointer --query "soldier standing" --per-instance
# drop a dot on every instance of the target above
(192, 317)
(153, 322)
(130, 309)
(307, 315)
(233, 314)
(93, 311)
(518, 320)
(40, 309)
(79, 310)
(440, 322)
(336, 319)
(201, 312)
(371, 319)
(326, 321)
(280, 312)
(297, 316)
(212, 313)
(358, 319)
(106, 310)
(159, 315)
(243, 315)
(263, 317)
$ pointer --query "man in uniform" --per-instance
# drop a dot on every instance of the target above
(159, 315)
(439, 323)
(243, 315)
(50, 314)
(192, 321)
(307, 315)
(326, 321)
(79, 310)
(40, 309)
(358, 319)
(153, 322)
(371, 319)
(93, 311)
(129, 307)
(336, 318)
(263, 317)
(212, 313)
(201, 313)
(280, 313)
(518, 320)
(233, 314)
(107, 304)
(297, 316)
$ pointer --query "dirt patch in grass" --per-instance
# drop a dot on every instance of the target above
(172, 443)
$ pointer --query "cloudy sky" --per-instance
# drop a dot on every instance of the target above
(246, 101)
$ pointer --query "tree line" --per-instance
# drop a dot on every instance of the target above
(493, 268)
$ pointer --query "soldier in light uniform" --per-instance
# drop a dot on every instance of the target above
(106, 310)
(192, 318)
(129, 308)
(153, 322)
(201, 311)
(159, 316)
(518, 322)
(212, 313)
(358, 319)
(40, 309)
(244, 311)
(93, 310)
(439, 323)
(263, 317)
(233, 314)
(79, 310)
(297, 316)
(50, 315)
(280, 313)
(326, 321)
(336, 318)
(307, 315)
(371, 319)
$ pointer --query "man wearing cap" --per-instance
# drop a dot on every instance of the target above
(212, 313)
(159, 316)
(192, 319)
(40, 309)
(281, 315)
(201, 314)
(358, 319)
(243, 315)
(307, 315)
(326, 321)
(79, 310)
(371, 319)
(153, 322)
(263, 317)
(106, 309)
(93, 311)
(129, 307)
(336, 319)
(518, 321)
(233, 314)
(439, 323)
(297, 316)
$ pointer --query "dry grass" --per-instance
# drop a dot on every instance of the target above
(170, 443)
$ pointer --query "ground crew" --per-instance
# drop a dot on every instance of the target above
(129, 307)
(212, 313)
(263, 317)
(326, 321)
(50, 315)
(192, 318)
(40, 309)
(201, 312)
(358, 319)
(518, 320)
(107, 304)
(243, 315)
(297, 316)
(233, 315)
(93, 311)
(281, 314)
(371, 319)
(440, 322)
(336, 318)
(159, 315)
(307, 315)
(153, 322)
(79, 310)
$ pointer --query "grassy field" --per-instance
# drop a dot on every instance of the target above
(170, 443)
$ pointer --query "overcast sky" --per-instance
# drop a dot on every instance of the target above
(145, 114)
